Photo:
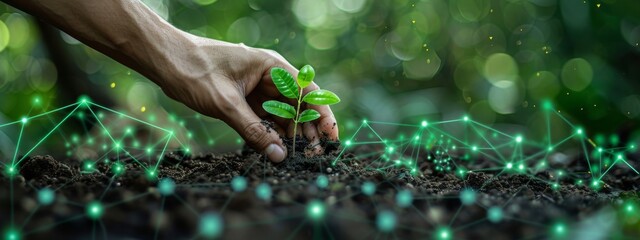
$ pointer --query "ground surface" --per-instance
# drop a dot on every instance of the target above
(134, 208)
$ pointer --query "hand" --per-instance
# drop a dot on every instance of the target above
(230, 82)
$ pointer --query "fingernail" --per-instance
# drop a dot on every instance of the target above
(275, 153)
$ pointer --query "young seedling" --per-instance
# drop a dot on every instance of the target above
(293, 89)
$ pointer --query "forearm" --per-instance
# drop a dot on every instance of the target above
(125, 30)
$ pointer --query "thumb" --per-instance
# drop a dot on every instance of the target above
(256, 134)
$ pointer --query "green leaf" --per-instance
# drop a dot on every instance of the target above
(284, 82)
(321, 97)
(309, 115)
(306, 75)
(279, 109)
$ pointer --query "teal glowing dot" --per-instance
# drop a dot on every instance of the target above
(316, 210)
(404, 198)
(474, 148)
(11, 171)
(386, 221)
(521, 167)
(391, 149)
(322, 181)
(519, 139)
(89, 167)
(368, 188)
(24, 120)
(547, 105)
(424, 123)
(465, 118)
(494, 214)
(166, 186)
(238, 183)
(443, 233)
(579, 131)
(46, 196)
(619, 156)
(550, 148)
(364, 121)
(211, 225)
(94, 210)
(347, 143)
(12, 235)
(509, 165)
(559, 229)
(467, 196)
(263, 191)
(629, 208)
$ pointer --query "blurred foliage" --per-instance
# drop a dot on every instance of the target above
(389, 60)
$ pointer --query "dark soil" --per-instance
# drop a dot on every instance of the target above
(134, 209)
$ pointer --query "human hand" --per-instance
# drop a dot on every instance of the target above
(230, 82)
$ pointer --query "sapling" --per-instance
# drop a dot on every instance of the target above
(293, 89)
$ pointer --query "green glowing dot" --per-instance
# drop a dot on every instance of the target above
(316, 210)
(12, 235)
(94, 210)
(547, 105)
(494, 214)
(46, 196)
(211, 225)
(629, 208)
(579, 131)
(166, 186)
(404, 198)
(347, 143)
(391, 149)
(364, 121)
(89, 166)
(386, 221)
(599, 150)
(443, 233)
(559, 229)
(519, 139)
(24, 120)
(465, 118)
(424, 123)
(468, 196)
(238, 183)
(152, 174)
(521, 167)
(509, 165)
(322, 181)
(368, 188)
(474, 148)
(550, 148)
(263, 191)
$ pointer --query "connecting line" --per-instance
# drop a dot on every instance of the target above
(46, 136)
(127, 116)
(489, 142)
(15, 154)
(161, 156)
(345, 148)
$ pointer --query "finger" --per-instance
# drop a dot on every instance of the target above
(311, 132)
(278, 127)
(327, 125)
(241, 118)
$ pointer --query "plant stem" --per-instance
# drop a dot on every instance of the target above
(295, 121)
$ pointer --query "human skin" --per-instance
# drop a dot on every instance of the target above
(218, 79)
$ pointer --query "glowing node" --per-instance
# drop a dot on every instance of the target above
(547, 105)
(211, 225)
(579, 131)
(152, 174)
(143, 109)
(465, 118)
(24, 120)
(474, 148)
(629, 208)
(113, 85)
(263, 191)
(559, 229)
(424, 123)
(347, 143)
(46, 196)
(509, 165)
(521, 167)
(368, 188)
(494, 214)
(238, 183)
(468, 196)
(12, 235)
(364, 121)
(404, 198)
(322, 181)
(117, 168)
(166, 186)
(11, 171)
(386, 221)
(89, 167)
(550, 148)
(94, 210)
(316, 210)
(443, 233)
(519, 139)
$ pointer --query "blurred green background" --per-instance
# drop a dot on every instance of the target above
(392, 61)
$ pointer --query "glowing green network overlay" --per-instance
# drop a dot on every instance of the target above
(450, 145)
